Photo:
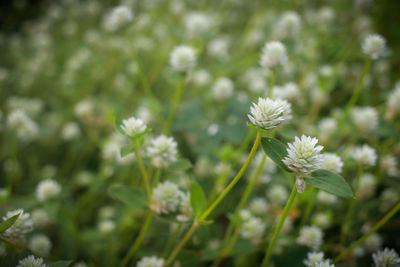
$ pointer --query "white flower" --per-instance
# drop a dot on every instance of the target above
(133, 126)
(201, 77)
(322, 220)
(252, 229)
(183, 58)
(312, 258)
(386, 258)
(393, 101)
(273, 54)
(373, 242)
(269, 113)
(197, 23)
(118, 17)
(166, 198)
(40, 218)
(374, 46)
(47, 189)
(162, 151)
(367, 186)
(218, 48)
(366, 118)
(84, 108)
(326, 198)
(24, 126)
(278, 194)
(364, 155)
(40, 244)
(106, 226)
(288, 25)
(222, 88)
(388, 199)
(22, 226)
(259, 206)
(185, 208)
(31, 261)
(303, 155)
(70, 131)
(389, 164)
(327, 127)
(310, 236)
(150, 262)
(332, 162)
(325, 263)
(288, 91)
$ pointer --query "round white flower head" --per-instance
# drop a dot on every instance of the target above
(47, 189)
(269, 113)
(150, 262)
(218, 48)
(325, 263)
(201, 77)
(40, 245)
(393, 100)
(70, 131)
(252, 229)
(24, 126)
(364, 155)
(245, 215)
(277, 194)
(288, 25)
(322, 220)
(289, 91)
(303, 155)
(388, 199)
(366, 118)
(106, 226)
(162, 151)
(327, 127)
(118, 17)
(259, 206)
(310, 236)
(374, 46)
(326, 198)
(312, 258)
(273, 54)
(166, 198)
(31, 261)
(367, 186)
(185, 209)
(133, 126)
(40, 218)
(183, 58)
(386, 258)
(197, 23)
(332, 162)
(22, 226)
(389, 164)
(373, 242)
(222, 88)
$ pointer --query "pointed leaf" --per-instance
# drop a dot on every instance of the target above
(276, 151)
(8, 223)
(129, 195)
(331, 183)
(197, 199)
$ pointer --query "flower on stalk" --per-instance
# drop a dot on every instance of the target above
(374, 45)
(364, 155)
(47, 189)
(31, 261)
(162, 151)
(288, 25)
(386, 258)
(152, 261)
(183, 58)
(366, 118)
(40, 245)
(273, 54)
(133, 126)
(310, 236)
(22, 226)
(166, 198)
(312, 258)
(332, 162)
(269, 113)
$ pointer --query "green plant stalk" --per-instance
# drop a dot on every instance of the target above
(347, 219)
(136, 245)
(279, 226)
(144, 174)
(309, 208)
(156, 178)
(171, 240)
(384, 220)
(227, 249)
(175, 102)
(204, 216)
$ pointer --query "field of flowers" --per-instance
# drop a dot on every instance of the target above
(199, 133)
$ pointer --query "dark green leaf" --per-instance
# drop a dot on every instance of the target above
(331, 183)
(128, 195)
(60, 264)
(197, 199)
(8, 223)
(275, 150)
(180, 165)
(126, 150)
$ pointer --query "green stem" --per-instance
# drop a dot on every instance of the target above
(157, 177)
(171, 240)
(308, 210)
(175, 101)
(144, 174)
(139, 239)
(280, 224)
(384, 220)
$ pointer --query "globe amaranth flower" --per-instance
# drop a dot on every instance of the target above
(152, 261)
(288, 25)
(222, 88)
(40, 245)
(310, 236)
(374, 46)
(252, 229)
(367, 186)
(162, 151)
(47, 189)
(118, 17)
(364, 155)
(273, 54)
(259, 206)
(325, 263)
(269, 113)
(22, 226)
(393, 100)
(312, 258)
(183, 58)
(166, 198)
(133, 126)
(332, 162)
(386, 258)
(278, 194)
(366, 118)
(31, 261)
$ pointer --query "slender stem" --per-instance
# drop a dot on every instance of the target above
(156, 178)
(384, 220)
(139, 239)
(216, 202)
(144, 174)
(175, 101)
(280, 224)
(171, 240)
(309, 208)
(347, 219)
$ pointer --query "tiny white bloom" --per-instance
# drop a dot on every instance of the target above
(22, 226)
(278, 194)
(374, 45)
(40, 218)
(40, 244)
(197, 23)
(273, 54)
(289, 91)
(373, 242)
(365, 155)
(389, 164)
(222, 88)
(310, 236)
(259, 206)
(366, 118)
(367, 186)
(106, 226)
(118, 17)
(152, 261)
(252, 229)
(162, 151)
(313, 257)
(332, 162)
(386, 258)
(183, 58)
(325, 263)
(289, 25)
(133, 126)
(269, 113)
(70, 131)
(47, 189)
(326, 198)
(393, 100)
(166, 198)
(31, 261)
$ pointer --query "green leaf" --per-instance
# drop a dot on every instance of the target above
(276, 151)
(8, 223)
(180, 165)
(252, 126)
(197, 199)
(126, 150)
(129, 195)
(331, 183)
(60, 264)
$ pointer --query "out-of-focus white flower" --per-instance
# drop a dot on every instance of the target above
(325, 263)
(31, 261)
(312, 258)
(389, 164)
(201, 77)
(366, 118)
(277, 194)
(162, 151)
(386, 258)
(259, 206)
(269, 113)
(24, 126)
(106, 226)
(288, 91)
(310, 236)
(326, 198)
(373, 242)
(70, 131)
(47, 189)
(31, 106)
(218, 48)
(364, 155)
(40, 218)
(197, 23)
(374, 46)
(152, 261)
(393, 100)
(252, 229)
(166, 198)
(118, 17)
(322, 220)
(40, 244)
(133, 126)
(327, 127)
(388, 199)
(22, 226)
(332, 162)
(185, 209)
(288, 25)
(367, 186)
(245, 215)
(325, 17)
(273, 54)
(222, 88)
(84, 109)
(183, 58)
